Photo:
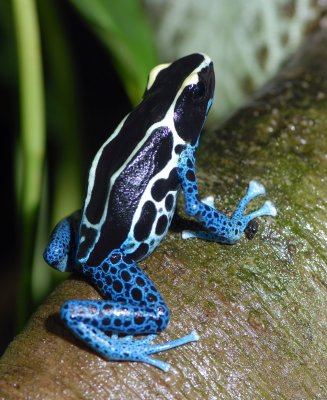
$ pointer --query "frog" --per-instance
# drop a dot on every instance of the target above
(132, 188)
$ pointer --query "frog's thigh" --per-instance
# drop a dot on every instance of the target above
(132, 304)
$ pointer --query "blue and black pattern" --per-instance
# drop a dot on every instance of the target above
(133, 184)
(218, 227)
(61, 250)
(132, 306)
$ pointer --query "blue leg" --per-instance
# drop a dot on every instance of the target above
(219, 227)
(133, 306)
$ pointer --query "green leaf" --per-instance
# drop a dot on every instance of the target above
(124, 30)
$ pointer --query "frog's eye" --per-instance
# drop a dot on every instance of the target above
(198, 91)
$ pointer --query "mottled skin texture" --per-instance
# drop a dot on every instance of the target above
(145, 163)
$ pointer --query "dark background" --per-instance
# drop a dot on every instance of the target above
(102, 104)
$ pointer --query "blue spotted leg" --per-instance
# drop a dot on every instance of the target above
(219, 227)
(132, 306)
(61, 250)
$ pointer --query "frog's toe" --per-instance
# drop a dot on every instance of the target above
(131, 349)
(255, 189)
(189, 234)
(209, 201)
(269, 208)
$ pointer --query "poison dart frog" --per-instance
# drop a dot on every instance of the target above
(133, 184)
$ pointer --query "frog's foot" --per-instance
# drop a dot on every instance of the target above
(229, 230)
(255, 189)
(138, 313)
(127, 348)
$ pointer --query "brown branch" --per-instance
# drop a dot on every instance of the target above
(259, 306)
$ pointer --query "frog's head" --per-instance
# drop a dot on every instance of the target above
(187, 85)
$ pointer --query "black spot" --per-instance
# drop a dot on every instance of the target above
(106, 321)
(169, 202)
(179, 148)
(126, 276)
(162, 186)
(113, 270)
(161, 225)
(109, 280)
(105, 267)
(189, 164)
(159, 189)
(107, 307)
(117, 322)
(95, 323)
(140, 281)
(140, 252)
(151, 298)
(115, 258)
(136, 294)
(139, 320)
(173, 180)
(143, 226)
(117, 286)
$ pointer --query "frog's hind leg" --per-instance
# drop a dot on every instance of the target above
(133, 306)
(127, 348)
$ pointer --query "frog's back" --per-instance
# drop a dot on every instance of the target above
(133, 180)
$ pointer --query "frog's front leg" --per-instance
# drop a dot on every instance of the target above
(133, 306)
(219, 227)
